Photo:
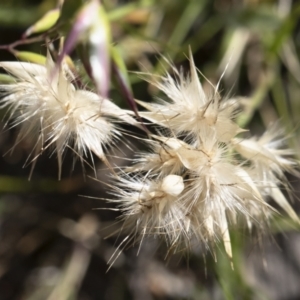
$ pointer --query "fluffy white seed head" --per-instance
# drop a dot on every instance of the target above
(267, 153)
(188, 110)
(53, 113)
(163, 159)
(226, 180)
(151, 207)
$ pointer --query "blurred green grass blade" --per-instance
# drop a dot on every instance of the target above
(233, 282)
(281, 224)
(284, 32)
(121, 12)
(4, 78)
(281, 101)
(206, 32)
(69, 10)
(257, 98)
(290, 58)
(44, 23)
(18, 16)
(186, 21)
(181, 30)
(11, 184)
(232, 57)
(30, 57)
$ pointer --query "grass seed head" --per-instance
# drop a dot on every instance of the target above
(53, 113)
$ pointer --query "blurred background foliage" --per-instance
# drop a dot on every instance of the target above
(52, 241)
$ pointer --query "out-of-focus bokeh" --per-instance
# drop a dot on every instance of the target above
(53, 243)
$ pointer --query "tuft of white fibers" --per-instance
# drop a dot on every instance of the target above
(151, 207)
(201, 178)
(52, 113)
(188, 110)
